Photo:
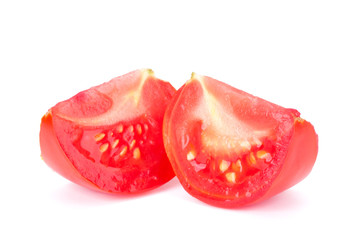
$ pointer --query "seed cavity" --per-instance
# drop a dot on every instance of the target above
(104, 147)
(115, 143)
(99, 137)
(145, 127)
(123, 151)
(231, 177)
(224, 165)
(136, 153)
(191, 155)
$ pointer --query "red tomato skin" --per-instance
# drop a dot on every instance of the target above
(300, 159)
(54, 155)
(298, 163)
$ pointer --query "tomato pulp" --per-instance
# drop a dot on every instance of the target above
(229, 148)
(109, 137)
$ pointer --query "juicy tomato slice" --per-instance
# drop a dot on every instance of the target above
(109, 137)
(229, 148)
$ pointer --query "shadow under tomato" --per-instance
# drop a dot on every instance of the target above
(74, 194)
(289, 200)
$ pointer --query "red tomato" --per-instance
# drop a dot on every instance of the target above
(229, 148)
(109, 137)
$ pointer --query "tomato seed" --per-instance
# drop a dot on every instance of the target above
(264, 155)
(191, 155)
(239, 165)
(145, 127)
(139, 129)
(252, 159)
(99, 137)
(104, 147)
(115, 143)
(231, 177)
(119, 128)
(224, 165)
(130, 128)
(261, 154)
(123, 151)
(136, 153)
(132, 143)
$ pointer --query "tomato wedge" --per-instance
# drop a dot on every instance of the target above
(109, 137)
(229, 148)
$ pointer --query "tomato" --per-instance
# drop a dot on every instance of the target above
(109, 137)
(229, 148)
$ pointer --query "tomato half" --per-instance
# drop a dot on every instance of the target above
(109, 137)
(229, 148)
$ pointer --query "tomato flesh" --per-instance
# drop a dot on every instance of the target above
(226, 146)
(109, 137)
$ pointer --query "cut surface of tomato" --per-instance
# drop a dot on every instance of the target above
(229, 148)
(109, 137)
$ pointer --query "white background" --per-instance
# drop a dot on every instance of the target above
(297, 54)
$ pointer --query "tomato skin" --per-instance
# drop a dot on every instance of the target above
(127, 160)
(53, 155)
(300, 159)
(300, 153)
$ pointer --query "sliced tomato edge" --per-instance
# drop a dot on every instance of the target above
(301, 156)
(54, 156)
(303, 135)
